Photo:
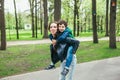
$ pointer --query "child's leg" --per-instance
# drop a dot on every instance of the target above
(68, 60)
(74, 43)
(69, 56)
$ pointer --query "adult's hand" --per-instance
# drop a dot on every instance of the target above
(54, 42)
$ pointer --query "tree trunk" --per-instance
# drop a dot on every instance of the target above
(2, 27)
(45, 19)
(95, 37)
(36, 17)
(41, 17)
(17, 32)
(57, 10)
(75, 12)
(112, 43)
(107, 6)
(31, 2)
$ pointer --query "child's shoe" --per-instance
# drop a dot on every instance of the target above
(65, 71)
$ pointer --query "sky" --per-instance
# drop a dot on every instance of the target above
(22, 5)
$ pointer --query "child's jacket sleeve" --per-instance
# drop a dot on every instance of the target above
(50, 37)
(62, 37)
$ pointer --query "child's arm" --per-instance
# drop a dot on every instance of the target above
(50, 37)
(62, 37)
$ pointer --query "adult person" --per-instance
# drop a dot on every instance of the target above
(54, 56)
(53, 30)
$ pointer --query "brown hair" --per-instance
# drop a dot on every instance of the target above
(51, 23)
(60, 22)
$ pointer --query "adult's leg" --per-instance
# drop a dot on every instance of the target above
(72, 68)
(61, 77)
(70, 74)
(54, 58)
(68, 61)
(54, 55)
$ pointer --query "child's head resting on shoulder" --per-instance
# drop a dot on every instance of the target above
(61, 25)
(60, 22)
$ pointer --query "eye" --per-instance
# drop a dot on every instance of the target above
(50, 26)
(55, 26)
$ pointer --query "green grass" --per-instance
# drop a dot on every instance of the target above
(27, 58)
(89, 51)
(23, 35)
(27, 35)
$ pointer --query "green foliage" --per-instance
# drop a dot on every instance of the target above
(101, 7)
(67, 13)
(27, 58)
(23, 18)
(10, 21)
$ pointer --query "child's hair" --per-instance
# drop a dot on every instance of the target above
(60, 22)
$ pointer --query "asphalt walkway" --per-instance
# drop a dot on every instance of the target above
(13, 43)
(107, 69)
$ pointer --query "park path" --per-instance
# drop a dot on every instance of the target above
(106, 69)
(13, 43)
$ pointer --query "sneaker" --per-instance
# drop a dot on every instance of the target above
(50, 67)
(65, 71)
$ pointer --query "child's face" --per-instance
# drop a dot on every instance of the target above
(61, 27)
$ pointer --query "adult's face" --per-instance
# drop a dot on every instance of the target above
(53, 28)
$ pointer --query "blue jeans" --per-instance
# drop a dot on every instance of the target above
(70, 74)
(69, 56)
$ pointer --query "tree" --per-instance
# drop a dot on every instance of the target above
(41, 17)
(77, 13)
(36, 17)
(31, 2)
(16, 19)
(95, 37)
(112, 43)
(45, 19)
(76, 21)
(2, 26)
(107, 9)
(57, 10)
(75, 16)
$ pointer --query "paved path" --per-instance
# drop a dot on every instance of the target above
(12, 43)
(107, 69)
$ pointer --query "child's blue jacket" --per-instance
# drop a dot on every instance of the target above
(62, 36)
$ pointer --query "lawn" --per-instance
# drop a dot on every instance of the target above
(27, 35)
(28, 58)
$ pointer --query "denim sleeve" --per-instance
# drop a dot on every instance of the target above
(62, 37)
